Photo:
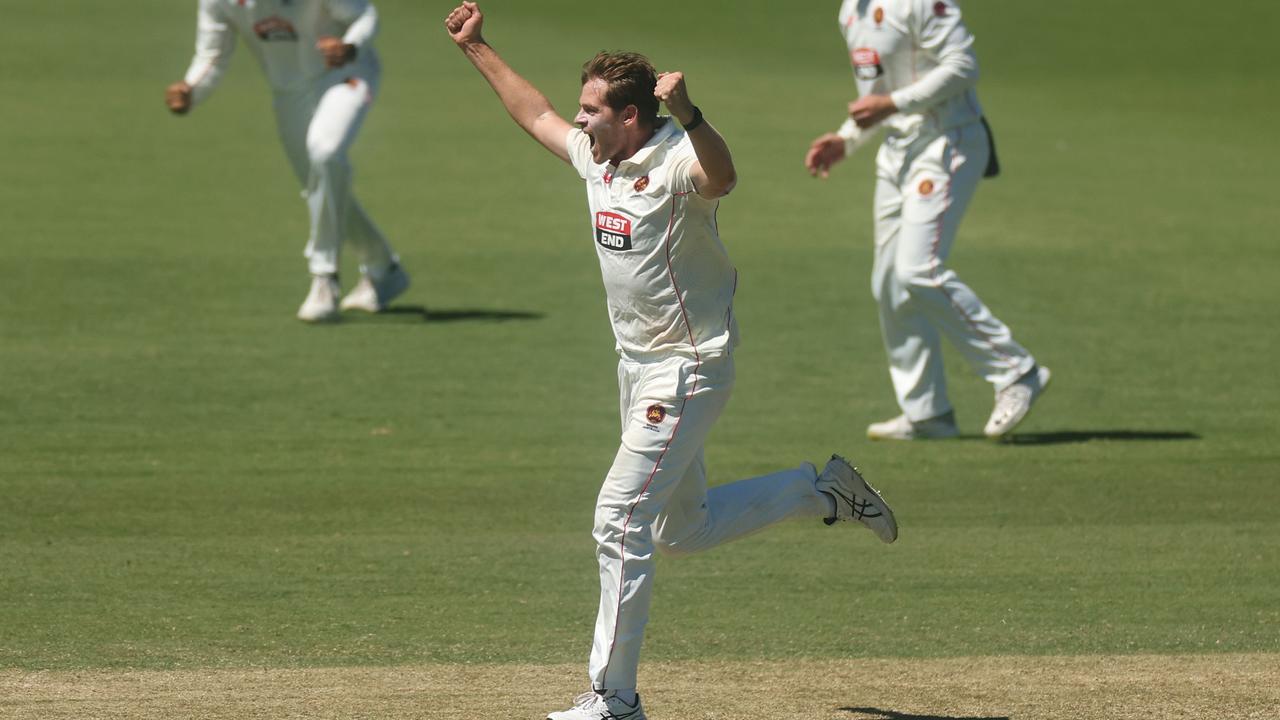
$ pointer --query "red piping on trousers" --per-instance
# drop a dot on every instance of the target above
(622, 544)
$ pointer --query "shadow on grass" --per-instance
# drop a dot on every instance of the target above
(1063, 437)
(405, 314)
(870, 713)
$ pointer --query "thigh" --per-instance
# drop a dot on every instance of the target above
(673, 406)
(339, 114)
(939, 183)
(293, 112)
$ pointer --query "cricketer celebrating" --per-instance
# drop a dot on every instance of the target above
(319, 60)
(653, 189)
(915, 69)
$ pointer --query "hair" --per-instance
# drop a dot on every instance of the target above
(630, 80)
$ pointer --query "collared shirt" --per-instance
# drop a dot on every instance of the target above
(920, 53)
(668, 279)
(282, 35)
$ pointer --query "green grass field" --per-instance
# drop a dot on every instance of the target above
(190, 479)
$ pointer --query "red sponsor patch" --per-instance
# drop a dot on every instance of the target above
(608, 177)
(642, 183)
(940, 9)
(655, 414)
(613, 231)
(866, 56)
(613, 222)
(926, 187)
(878, 15)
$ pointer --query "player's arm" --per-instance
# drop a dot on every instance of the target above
(713, 174)
(361, 20)
(529, 108)
(215, 41)
(943, 36)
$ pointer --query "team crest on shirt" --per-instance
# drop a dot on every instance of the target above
(866, 64)
(275, 28)
(655, 414)
(878, 15)
(613, 232)
(641, 184)
(940, 9)
(926, 187)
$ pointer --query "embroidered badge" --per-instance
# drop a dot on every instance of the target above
(655, 414)
(642, 183)
(926, 187)
(878, 15)
(940, 9)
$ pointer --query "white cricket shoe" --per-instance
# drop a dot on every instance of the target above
(900, 428)
(321, 304)
(1014, 402)
(593, 706)
(856, 500)
(374, 296)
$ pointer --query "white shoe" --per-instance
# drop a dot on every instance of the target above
(371, 296)
(1014, 402)
(900, 428)
(593, 706)
(856, 500)
(321, 304)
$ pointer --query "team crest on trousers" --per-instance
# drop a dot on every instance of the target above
(655, 414)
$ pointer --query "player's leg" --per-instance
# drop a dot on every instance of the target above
(939, 186)
(293, 112)
(335, 214)
(696, 519)
(673, 405)
(912, 344)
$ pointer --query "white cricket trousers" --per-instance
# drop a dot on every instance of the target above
(317, 129)
(655, 497)
(923, 187)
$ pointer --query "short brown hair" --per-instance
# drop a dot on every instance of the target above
(630, 80)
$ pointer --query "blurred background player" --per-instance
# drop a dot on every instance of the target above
(653, 189)
(319, 60)
(915, 69)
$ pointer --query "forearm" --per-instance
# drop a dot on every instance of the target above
(944, 81)
(715, 159)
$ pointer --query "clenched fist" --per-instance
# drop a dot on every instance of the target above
(464, 23)
(672, 91)
(336, 53)
(178, 98)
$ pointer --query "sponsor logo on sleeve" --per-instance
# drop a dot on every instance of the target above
(866, 64)
(275, 28)
(613, 232)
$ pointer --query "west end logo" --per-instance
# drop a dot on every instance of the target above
(613, 232)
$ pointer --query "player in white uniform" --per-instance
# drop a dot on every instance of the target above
(915, 69)
(319, 60)
(653, 189)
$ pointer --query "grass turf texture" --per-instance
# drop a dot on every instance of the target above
(191, 479)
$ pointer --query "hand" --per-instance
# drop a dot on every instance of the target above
(826, 151)
(672, 91)
(871, 109)
(178, 97)
(464, 24)
(336, 53)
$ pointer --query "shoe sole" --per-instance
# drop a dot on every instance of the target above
(1048, 377)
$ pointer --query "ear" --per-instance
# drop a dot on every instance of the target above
(630, 115)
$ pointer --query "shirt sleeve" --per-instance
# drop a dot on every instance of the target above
(939, 32)
(215, 41)
(579, 146)
(360, 17)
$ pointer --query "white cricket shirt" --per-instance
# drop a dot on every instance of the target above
(281, 35)
(668, 280)
(921, 54)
